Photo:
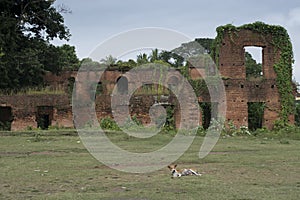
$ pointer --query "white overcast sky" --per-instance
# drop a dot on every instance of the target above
(94, 21)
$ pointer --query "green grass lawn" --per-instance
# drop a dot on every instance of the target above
(54, 166)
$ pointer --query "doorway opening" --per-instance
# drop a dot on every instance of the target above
(255, 115)
(6, 118)
(44, 117)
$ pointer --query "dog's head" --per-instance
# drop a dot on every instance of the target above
(173, 170)
(172, 167)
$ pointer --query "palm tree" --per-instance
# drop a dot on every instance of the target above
(142, 59)
(108, 60)
(154, 55)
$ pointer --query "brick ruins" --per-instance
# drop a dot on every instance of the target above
(37, 110)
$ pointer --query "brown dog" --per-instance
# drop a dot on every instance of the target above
(183, 172)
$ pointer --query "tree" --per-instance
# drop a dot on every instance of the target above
(172, 57)
(55, 59)
(108, 60)
(253, 69)
(165, 56)
(154, 55)
(126, 64)
(142, 59)
(26, 28)
(69, 59)
(33, 19)
(178, 60)
(88, 62)
(206, 43)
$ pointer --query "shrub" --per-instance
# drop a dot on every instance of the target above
(201, 131)
(109, 124)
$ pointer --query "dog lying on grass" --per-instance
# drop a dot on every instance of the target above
(183, 172)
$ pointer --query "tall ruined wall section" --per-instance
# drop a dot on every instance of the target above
(239, 90)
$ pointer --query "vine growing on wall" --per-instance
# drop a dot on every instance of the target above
(283, 67)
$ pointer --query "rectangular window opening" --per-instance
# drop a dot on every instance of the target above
(254, 62)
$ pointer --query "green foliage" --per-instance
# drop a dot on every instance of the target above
(34, 19)
(133, 124)
(88, 62)
(231, 130)
(109, 60)
(283, 67)
(29, 128)
(215, 48)
(171, 58)
(297, 114)
(142, 59)
(170, 120)
(154, 55)
(206, 43)
(109, 124)
(55, 59)
(255, 115)
(25, 52)
(126, 65)
(5, 126)
(201, 131)
(21, 67)
(37, 137)
(281, 131)
(253, 69)
(199, 86)
(68, 58)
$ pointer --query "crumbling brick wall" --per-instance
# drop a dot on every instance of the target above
(25, 109)
(239, 90)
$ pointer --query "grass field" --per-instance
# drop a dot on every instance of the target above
(57, 166)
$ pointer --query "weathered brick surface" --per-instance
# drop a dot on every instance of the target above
(25, 109)
(239, 90)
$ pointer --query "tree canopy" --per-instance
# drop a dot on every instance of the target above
(27, 27)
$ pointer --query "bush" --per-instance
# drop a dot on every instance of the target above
(290, 132)
(5, 126)
(201, 131)
(232, 130)
(109, 124)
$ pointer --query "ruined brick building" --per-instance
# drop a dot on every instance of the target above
(43, 110)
